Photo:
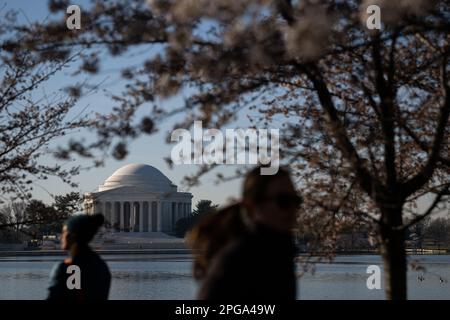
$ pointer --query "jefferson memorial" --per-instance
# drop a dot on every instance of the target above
(139, 198)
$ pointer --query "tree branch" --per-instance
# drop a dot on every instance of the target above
(423, 145)
(425, 174)
(368, 183)
(444, 191)
(284, 7)
(385, 91)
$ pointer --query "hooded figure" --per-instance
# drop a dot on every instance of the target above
(84, 276)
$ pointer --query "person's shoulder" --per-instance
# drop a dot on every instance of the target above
(101, 264)
(91, 256)
(58, 269)
(62, 265)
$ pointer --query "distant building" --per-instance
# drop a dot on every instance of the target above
(139, 198)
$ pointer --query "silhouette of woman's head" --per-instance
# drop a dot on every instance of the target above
(80, 229)
(270, 200)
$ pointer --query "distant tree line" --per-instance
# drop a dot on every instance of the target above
(427, 234)
(183, 225)
(33, 219)
(431, 233)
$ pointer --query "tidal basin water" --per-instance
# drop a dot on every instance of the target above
(156, 277)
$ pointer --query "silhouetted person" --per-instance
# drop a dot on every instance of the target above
(246, 250)
(95, 278)
(212, 234)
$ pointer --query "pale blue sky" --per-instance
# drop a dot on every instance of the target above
(147, 149)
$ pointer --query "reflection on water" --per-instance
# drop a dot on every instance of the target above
(4, 276)
(147, 275)
(169, 277)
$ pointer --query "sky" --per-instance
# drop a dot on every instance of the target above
(147, 149)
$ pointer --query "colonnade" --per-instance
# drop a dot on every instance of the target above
(143, 216)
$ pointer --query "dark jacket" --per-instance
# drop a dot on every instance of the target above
(259, 266)
(95, 278)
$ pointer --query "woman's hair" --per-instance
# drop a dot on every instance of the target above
(255, 184)
(219, 228)
(84, 227)
(211, 234)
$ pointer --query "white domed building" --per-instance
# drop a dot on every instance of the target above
(139, 198)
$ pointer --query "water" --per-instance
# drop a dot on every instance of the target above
(169, 277)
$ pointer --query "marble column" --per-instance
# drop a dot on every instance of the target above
(150, 215)
(97, 207)
(174, 215)
(103, 209)
(141, 216)
(122, 215)
(159, 216)
(111, 214)
(133, 213)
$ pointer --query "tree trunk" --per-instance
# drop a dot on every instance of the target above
(394, 260)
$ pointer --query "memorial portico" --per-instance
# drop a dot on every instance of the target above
(139, 198)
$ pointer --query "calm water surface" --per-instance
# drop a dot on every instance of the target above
(169, 277)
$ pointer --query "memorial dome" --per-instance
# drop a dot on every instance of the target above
(138, 175)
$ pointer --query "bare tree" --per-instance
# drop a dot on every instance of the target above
(31, 119)
(438, 230)
(13, 214)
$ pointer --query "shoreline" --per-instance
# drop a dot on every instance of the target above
(179, 251)
(38, 253)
